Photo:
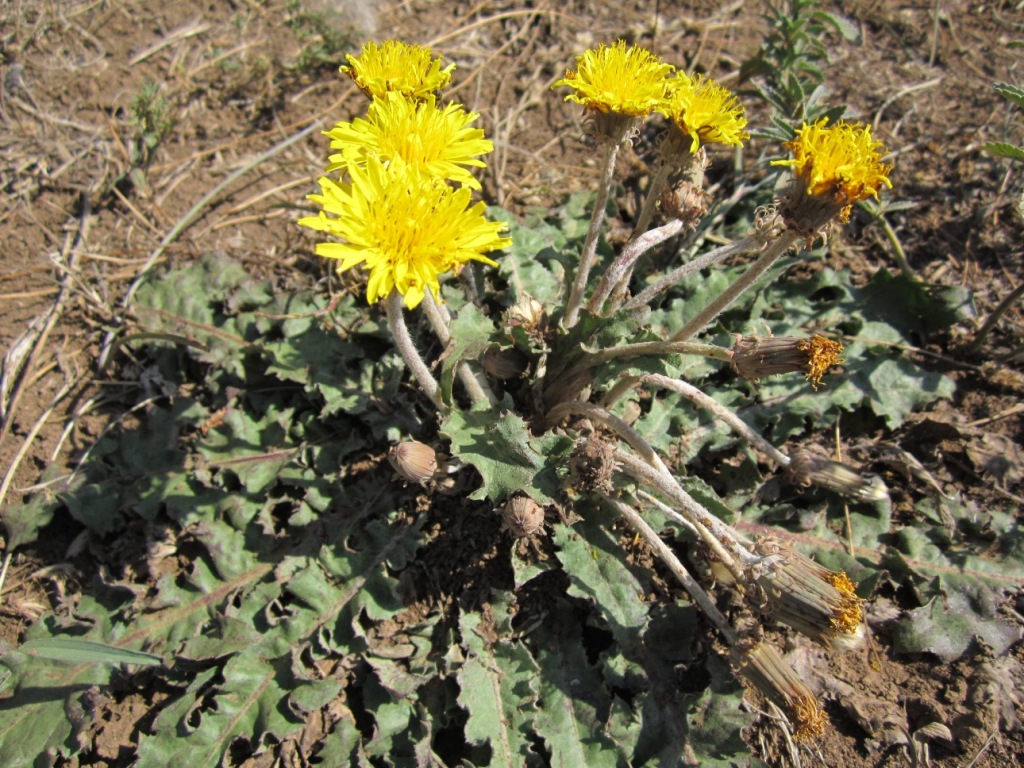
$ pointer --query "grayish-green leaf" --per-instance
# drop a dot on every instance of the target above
(497, 689)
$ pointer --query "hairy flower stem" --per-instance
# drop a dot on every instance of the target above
(708, 403)
(633, 251)
(657, 349)
(399, 332)
(668, 557)
(440, 320)
(653, 196)
(711, 257)
(720, 538)
(729, 546)
(725, 300)
(587, 257)
(670, 162)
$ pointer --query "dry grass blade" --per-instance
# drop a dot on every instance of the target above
(20, 359)
(189, 218)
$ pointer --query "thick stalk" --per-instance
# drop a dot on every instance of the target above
(696, 265)
(725, 300)
(670, 162)
(653, 196)
(440, 320)
(626, 383)
(668, 557)
(396, 324)
(657, 349)
(726, 543)
(633, 251)
(734, 422)
(587, 257)
(721, 539)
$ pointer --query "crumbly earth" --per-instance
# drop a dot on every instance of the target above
(87, 205)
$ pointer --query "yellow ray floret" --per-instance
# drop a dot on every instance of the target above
(402, 226)
(842, 162)
(706, 111)
(621, 80)
(439, 142)
(400, 67)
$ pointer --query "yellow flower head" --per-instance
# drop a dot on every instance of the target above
(620, 80)
(841, 164)
(437, 141)
(706, 111)
(396, 66)
(404, 227)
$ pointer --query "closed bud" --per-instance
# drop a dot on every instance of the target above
(522, 517)
(413, 461)
(754, 357)
(808, 468)
(504, 364)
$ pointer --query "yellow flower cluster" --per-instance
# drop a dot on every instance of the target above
(835, 167)
(397, 67)
(633, 82)
(706, 111)
(401, 206)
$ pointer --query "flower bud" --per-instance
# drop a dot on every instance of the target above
(808, 597)
(504, 364)
(765, 669)
(808, 468)
(686, 201)
(754, 357)
(522, 517)
(413, 461)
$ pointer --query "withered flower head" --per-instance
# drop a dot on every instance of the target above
(755, 356)
(528, 313)
(504, 364)
(769, 673)
(808, 597)
(809, 468)
(591, 466)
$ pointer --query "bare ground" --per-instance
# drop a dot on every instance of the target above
(87, 206)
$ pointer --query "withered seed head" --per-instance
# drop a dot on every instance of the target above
(809, 468)
(413, 461)
(756, 356)
(769, 673)
(529, 313)
(820, 603)
(522, 516)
